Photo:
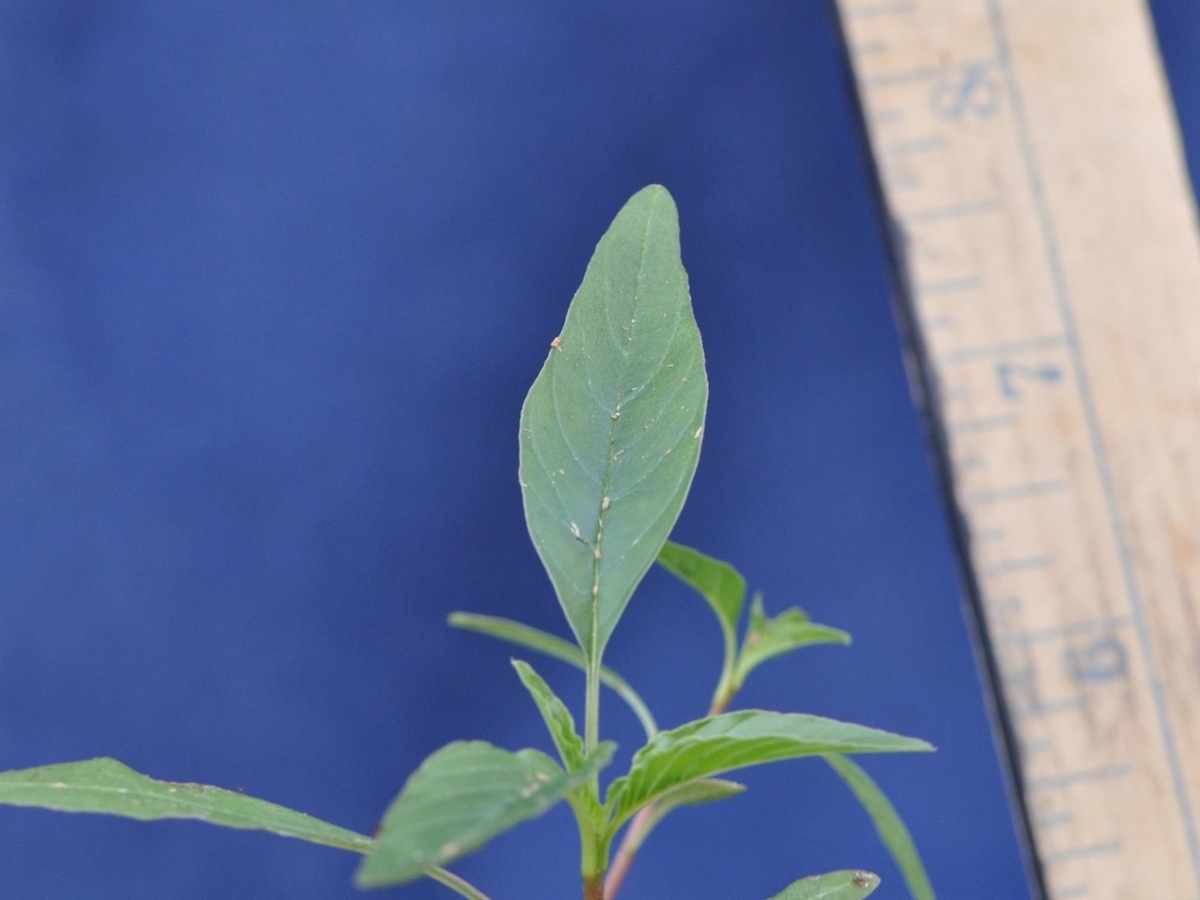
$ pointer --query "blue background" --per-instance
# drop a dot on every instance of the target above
(274, 278)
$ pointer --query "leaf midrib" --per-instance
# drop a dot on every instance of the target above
(191, 798)
(612, 437)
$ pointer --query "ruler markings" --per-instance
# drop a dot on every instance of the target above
(952, 211)
(1004, 348)
(1020, 564)
(1061, 488)
(901, 8)
(1016, 492)
(1042, 745)
(1100, 451)
(1052, 820)
(1063, 632)
(1070, 779)
(1040, 710)
(870, 49)
(917, 145)
(1070, 854)
(893, 79)
(1006, 604)
(970, 463)
(939, 323)
(950, 285)
(986, 423)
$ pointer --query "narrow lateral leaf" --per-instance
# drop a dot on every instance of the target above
(693, 793)
(845, 885)
(459, 799)
(708, 747)
(717, 582)
(892, 830)
(611, 429)
(549, 645)
(107, 786)
(767, 638)
(559, 721)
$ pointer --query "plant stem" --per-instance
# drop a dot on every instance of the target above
(593, 888)
(636, 833)
(460, 885)
(591, 724)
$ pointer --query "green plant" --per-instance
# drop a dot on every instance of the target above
(610, 437)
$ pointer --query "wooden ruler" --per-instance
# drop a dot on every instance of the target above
(1043, 224)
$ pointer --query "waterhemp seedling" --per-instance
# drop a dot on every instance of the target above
(610, 436)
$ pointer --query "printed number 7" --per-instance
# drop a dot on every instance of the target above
(1010, 374)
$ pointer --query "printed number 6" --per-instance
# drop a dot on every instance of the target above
(973, 91)
(1101, 660)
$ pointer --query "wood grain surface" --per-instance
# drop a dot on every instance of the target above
(1045, 228)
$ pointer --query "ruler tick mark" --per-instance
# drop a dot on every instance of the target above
(1039, 710)
(949, 286)
(1003, 348)
(1006, 604)
(952, 211)
(905, 183)
(1090, 851)
(870, 48)
(1032, 748)
(1019, 564)
(1065, 631)
(987, 423)
(892, 79)
(987, 535)
(900, 8)
(1071, 890)
(1070, 779)
(939, 323)
(1053, 820)
(969, 463)
(1016, 492)
(918, 145)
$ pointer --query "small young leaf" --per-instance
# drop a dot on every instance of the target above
(891, 828)
(788, 631)
(717, 582)
(708, 747)
(538, 640)
(107, 786)
(845, 885)
(459, 799)
(559, 720)
(693, 793)
(611, 429)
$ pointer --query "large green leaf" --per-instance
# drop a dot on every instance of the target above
(107, 786)
(892, 830)
(717, 582)
(459, 799)
(559, 721)
(730, 741)
(556, 647)
(845, 885)
(611, 429)
(767, 638)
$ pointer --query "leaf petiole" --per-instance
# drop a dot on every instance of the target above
(455, 883)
